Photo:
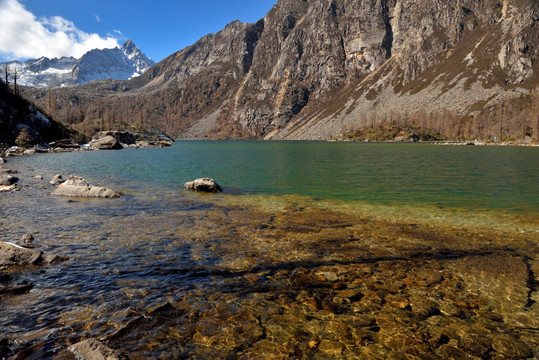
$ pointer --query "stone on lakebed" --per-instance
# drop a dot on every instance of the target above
(78, 187)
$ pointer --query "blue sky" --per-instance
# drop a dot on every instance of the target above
(52, 28)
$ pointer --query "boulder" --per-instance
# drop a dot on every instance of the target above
(8, 180)
(2, 160)
(203, 184)
(75, 180)
(14, 151)
(4, 188)
(93, 349)
(123, 137)
(11, 254)
(107, 142)
(57, 180)
(164, 143)
(15, 289)
(79, 187)
(27, 239)
(64, 144)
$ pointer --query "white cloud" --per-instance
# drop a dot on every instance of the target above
(23, 35)
(97, 18)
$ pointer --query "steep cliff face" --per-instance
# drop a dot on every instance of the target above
(312, 68)
(382, 53)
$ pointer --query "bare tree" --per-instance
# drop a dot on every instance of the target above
(6, 69)
(15, 90)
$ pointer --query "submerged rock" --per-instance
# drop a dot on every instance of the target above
(15, 289)
(203, 184)
(93, 349)
(78, 187)
(4, 348)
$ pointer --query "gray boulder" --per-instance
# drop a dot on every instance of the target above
(93, 349)
(76, 186)
(57, 180)
(106, 142)
(75, 180)
(203, 184)
(11, 254)
(7, 180)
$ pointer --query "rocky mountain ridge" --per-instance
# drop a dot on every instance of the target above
(120, 63)
(311, 69)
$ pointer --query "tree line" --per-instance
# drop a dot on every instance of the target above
(509, 120)
(174, 111)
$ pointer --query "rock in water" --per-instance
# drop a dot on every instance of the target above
(93, 349)
(79, 187)
(75, 180)
(11, 254)
(8, 180)
(203, 184)
(107, 142)
(56, 180)
(27, 239)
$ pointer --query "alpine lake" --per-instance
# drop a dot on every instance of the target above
(314, 250)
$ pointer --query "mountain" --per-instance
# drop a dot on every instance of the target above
(120, 63)
(316, 69)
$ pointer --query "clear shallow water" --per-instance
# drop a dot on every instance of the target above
(158, 241)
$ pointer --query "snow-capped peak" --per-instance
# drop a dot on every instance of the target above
(121, 63)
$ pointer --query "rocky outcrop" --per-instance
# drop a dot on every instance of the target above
(77, 186)
(104, 141)
(204, 185)
(311, 69)
(64, 144)
(15, 255)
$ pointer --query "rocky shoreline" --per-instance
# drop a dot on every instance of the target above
(311, 283)
(105, 140)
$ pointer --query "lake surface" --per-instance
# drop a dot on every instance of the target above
(160, 243)
(465, 177)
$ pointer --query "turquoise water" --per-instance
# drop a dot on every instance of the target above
(462, 177)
